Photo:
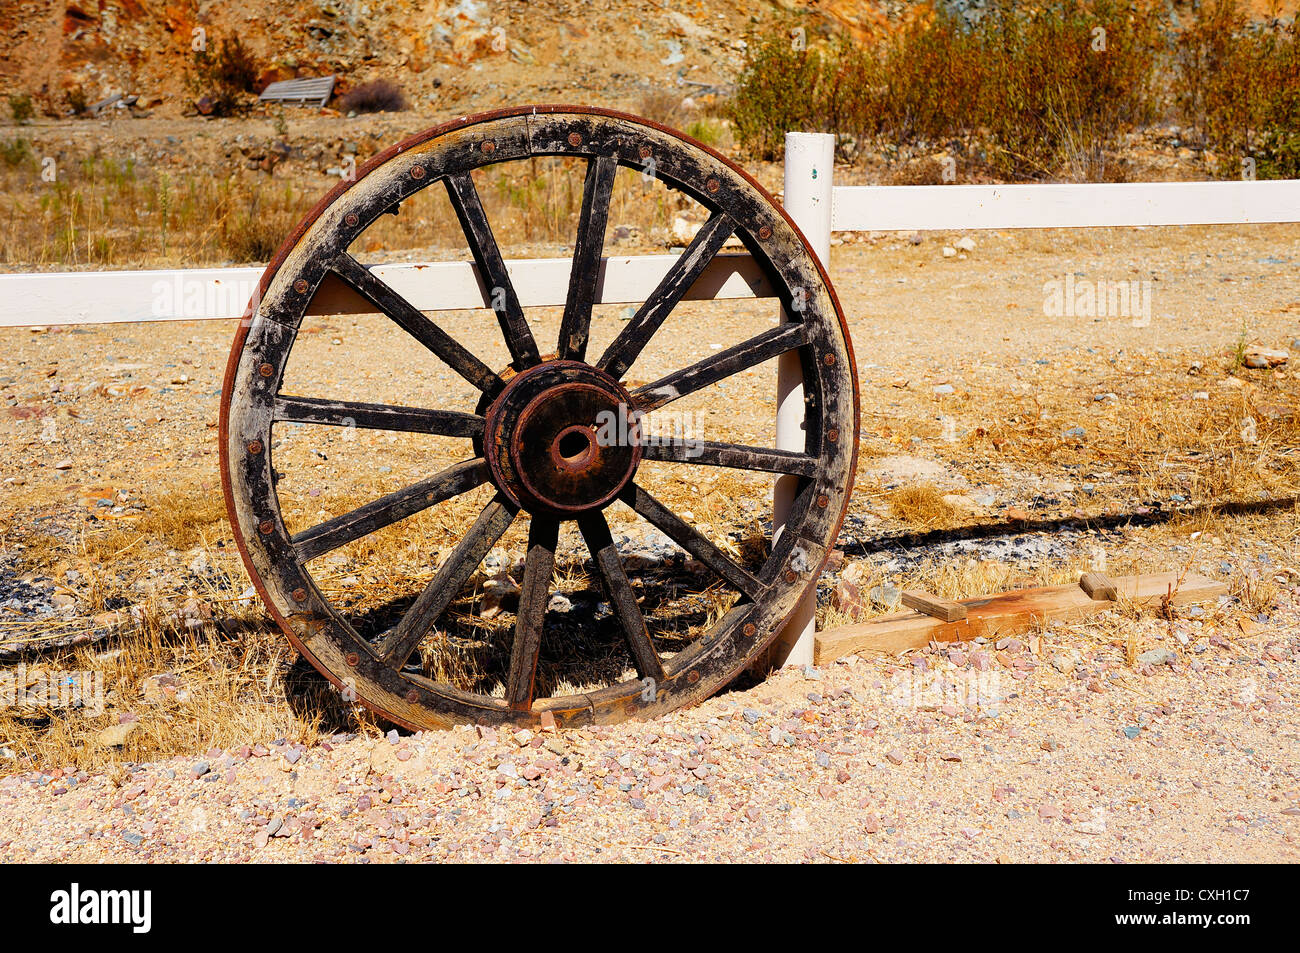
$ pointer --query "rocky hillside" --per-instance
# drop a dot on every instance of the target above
(480, 52)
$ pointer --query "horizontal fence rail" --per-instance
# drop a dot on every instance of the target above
(1092, 205)
(109, 297)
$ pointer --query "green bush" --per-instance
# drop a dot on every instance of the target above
(20, 107)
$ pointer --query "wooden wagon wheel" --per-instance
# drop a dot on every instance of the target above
(531, 435)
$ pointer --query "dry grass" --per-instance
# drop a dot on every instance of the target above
(921, 505)
(106, 212)
(222, 686)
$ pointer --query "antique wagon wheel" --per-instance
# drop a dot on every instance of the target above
(531, 435)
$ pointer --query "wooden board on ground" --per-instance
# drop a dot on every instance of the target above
(301, 91)
(1006, 613)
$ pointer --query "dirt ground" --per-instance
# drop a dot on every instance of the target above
(1002, 446)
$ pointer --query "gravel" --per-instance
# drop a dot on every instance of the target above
(957, 753)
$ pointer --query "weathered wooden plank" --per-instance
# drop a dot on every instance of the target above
(636, 334)
(575, 326)
(622, 598)
(1098, 586)
(387, 510)
(487, 256)
(710, 453)
(530, 621)
(692, 540)
(1005, 614)
(747, 354)
(405, 637)
(413, 322)
(350, 413)
(934, 606)
(314, 90)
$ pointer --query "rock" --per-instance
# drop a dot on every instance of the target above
(1160, 656)
(114, 736)
(871, 824)
(944, 389)
(966, 244)
(1265, 357)
(199, 768)
(683, 231)
(949, 251)
(65, 464)
(522, 737)
(847, 599)
(751, 716)
(885, 597)
(895, 756)
(559, 603)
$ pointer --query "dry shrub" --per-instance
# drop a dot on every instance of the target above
(376, 96)
(920, 504)
(1025, 89)
(1237, 82)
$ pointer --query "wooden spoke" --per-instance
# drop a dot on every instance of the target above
(712, 454)
(693, 541)
(625, 348)
(534, 594)
(413, 322)
(722, 365)
(389, 509)
(621, 596)
(405, 637)
(347, 413)
(575, 327)
(492, 269)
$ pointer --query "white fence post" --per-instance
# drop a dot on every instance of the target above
(809, 164)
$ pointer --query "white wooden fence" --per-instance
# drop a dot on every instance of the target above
(815, 203)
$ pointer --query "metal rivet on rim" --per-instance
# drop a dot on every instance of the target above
(828, 359)
(750, 629)
(300, 286)
(254, 447)
(791, 575)
(488, 147)
(265, 527)
(644, 152)
(417, 172)
(692, 676)
(575, 139)
(832, 435)
(765, 232)
(353, 659)
(823, 501)
(300, 594)
(266, 370)
(412, 696)
(713, 185)
(351, 219)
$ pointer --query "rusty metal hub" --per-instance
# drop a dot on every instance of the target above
(562, 438)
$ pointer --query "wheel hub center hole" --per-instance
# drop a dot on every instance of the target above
(574, 447)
